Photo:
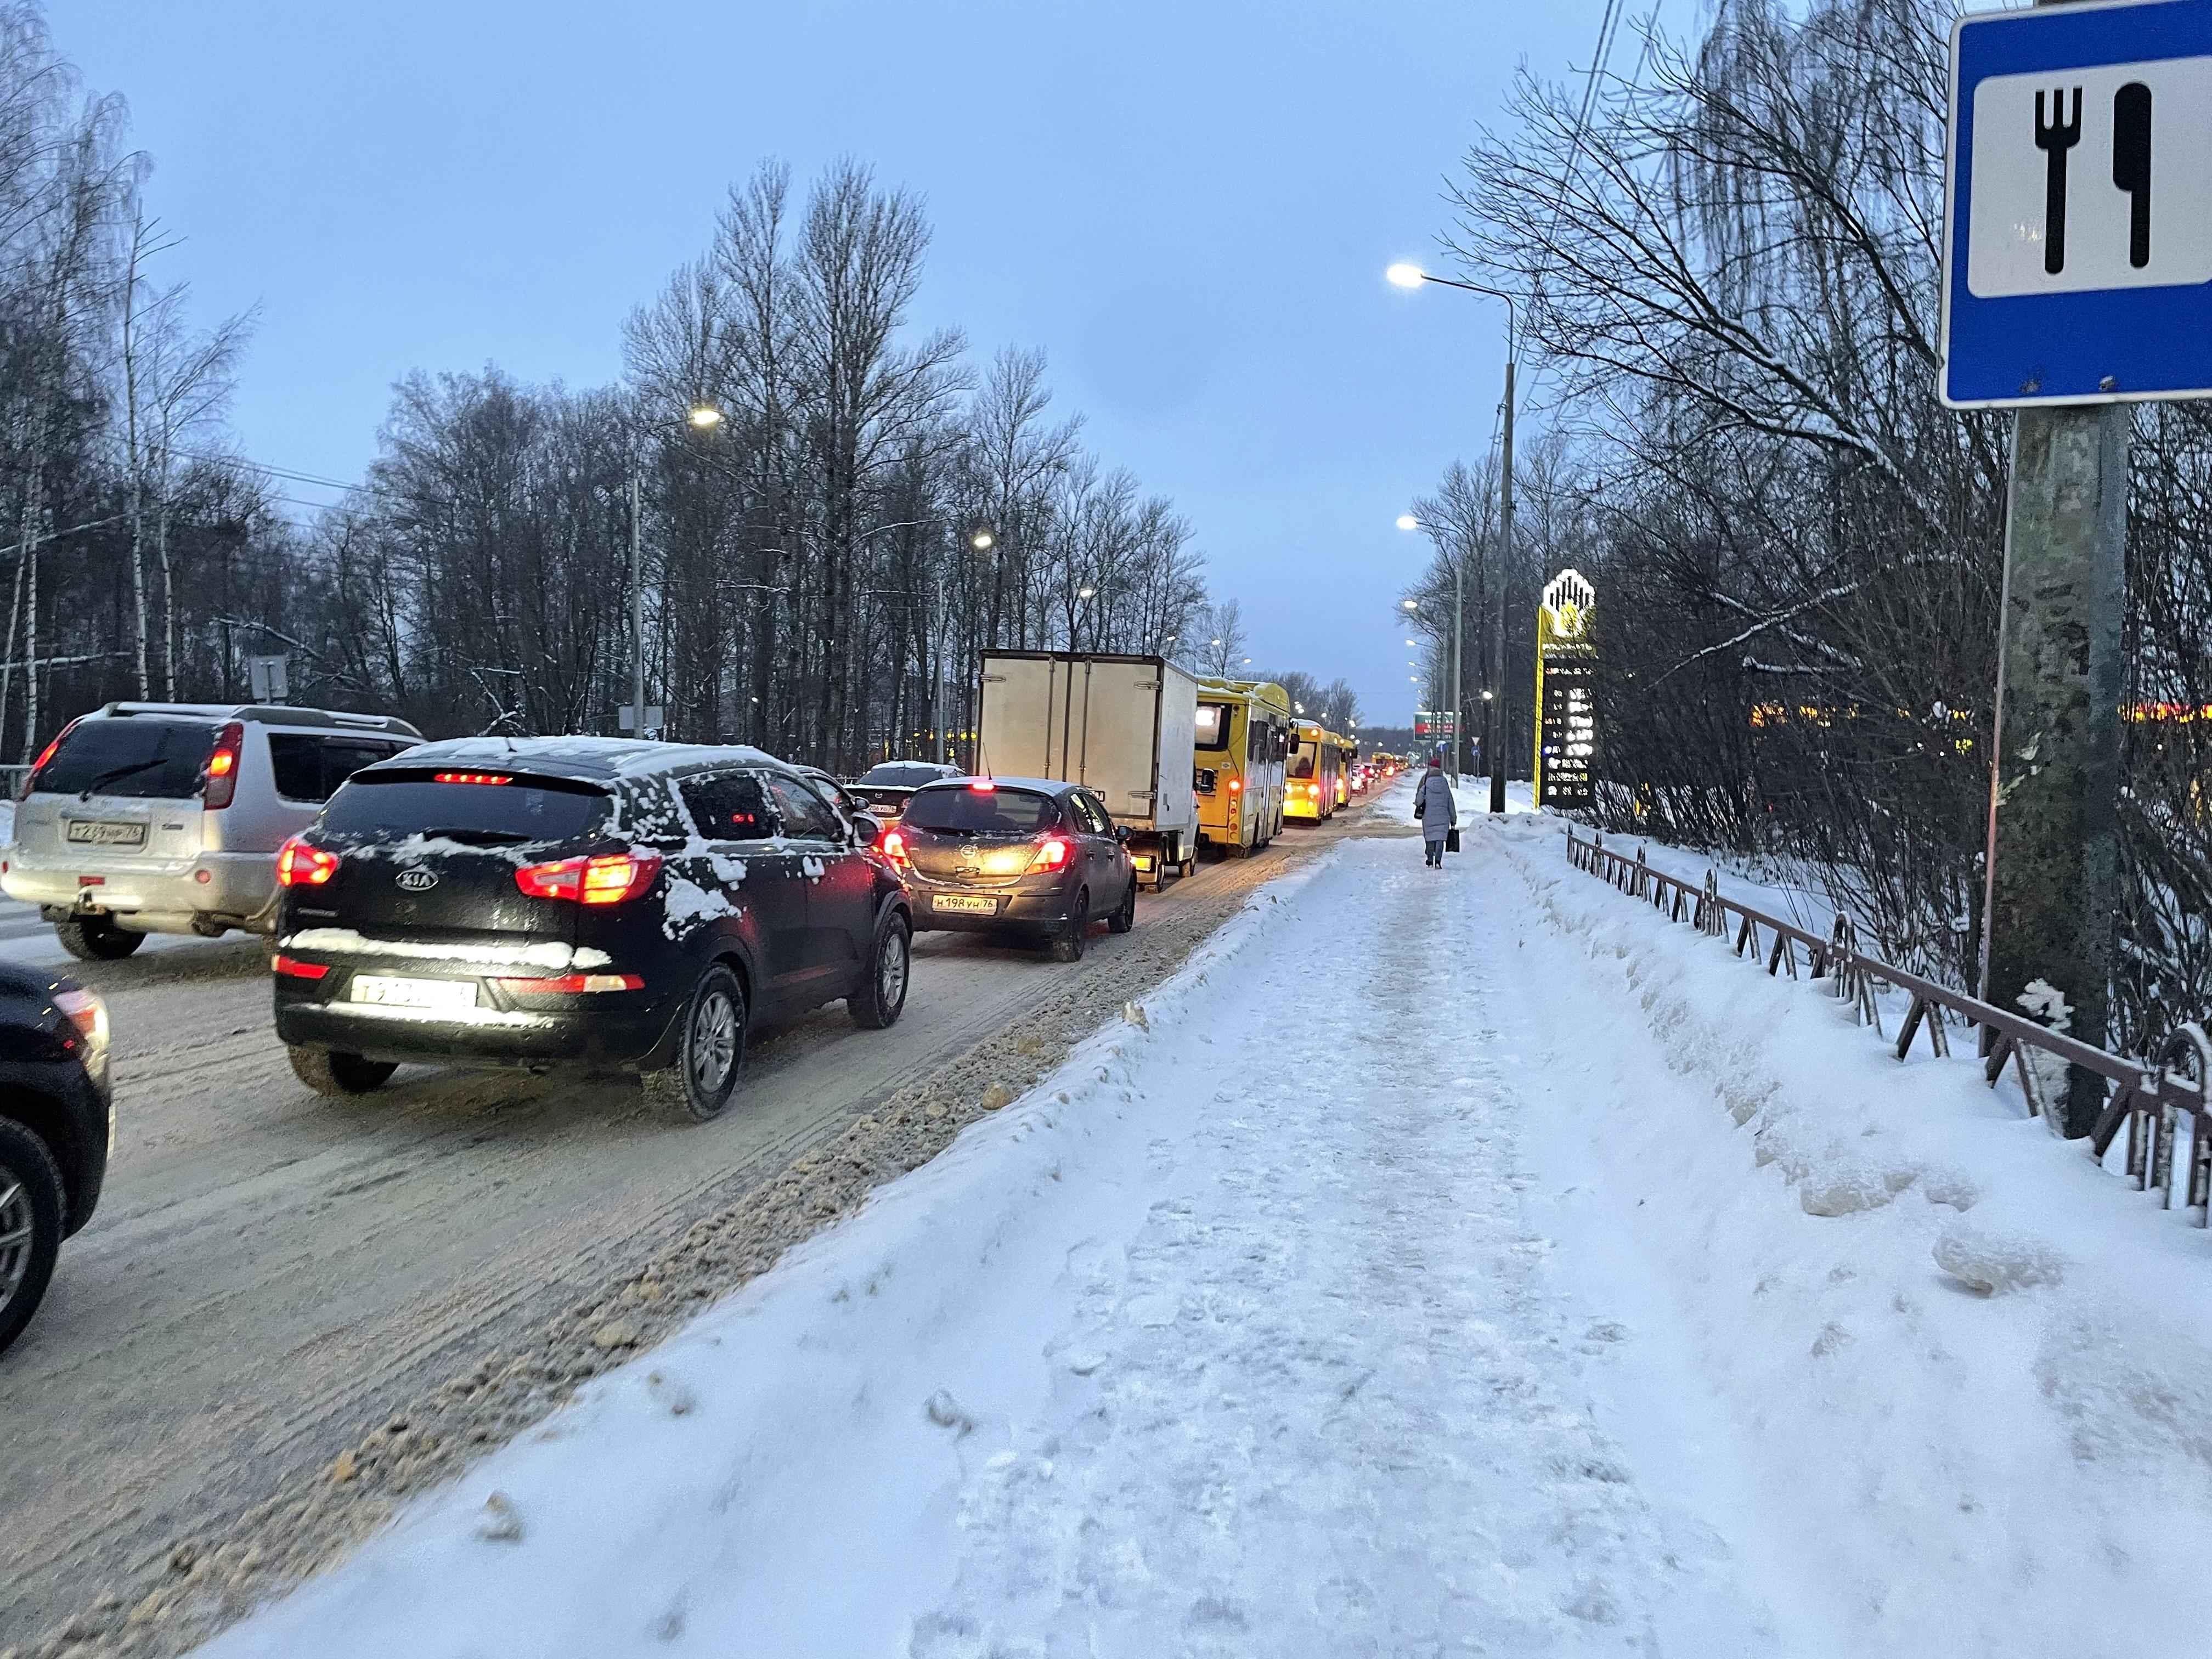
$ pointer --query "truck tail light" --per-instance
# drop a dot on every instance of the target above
(299, 865)
(1051, 854)
(221, 787)
(610, 878)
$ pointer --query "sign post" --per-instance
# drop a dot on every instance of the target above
(2077, 277)
(1566, 709)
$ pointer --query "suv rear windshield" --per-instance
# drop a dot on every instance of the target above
(135, 756)
(967, 811)
(399, 804)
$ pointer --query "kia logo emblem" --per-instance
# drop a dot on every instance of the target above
(418, 881)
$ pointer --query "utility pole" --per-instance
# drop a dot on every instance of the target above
(1496, 758)
(1459, 690)
(2050, 894)
(637, 604)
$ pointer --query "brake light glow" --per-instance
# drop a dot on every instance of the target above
(222, 784)
(984, 787)
(299, 865)
(85, 1010)
(471, 777)
(575, 984)
(610, 878)
(293, 968)
(1236, 785)
(1051, 854)
(894, 846)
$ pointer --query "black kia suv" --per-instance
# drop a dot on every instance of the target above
(55, 1129)
(624, 904)
(1030, 858)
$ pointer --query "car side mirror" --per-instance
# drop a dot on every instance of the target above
(1122, 833)
(869, 828)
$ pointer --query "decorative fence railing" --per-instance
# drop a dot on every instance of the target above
(2151, 1098)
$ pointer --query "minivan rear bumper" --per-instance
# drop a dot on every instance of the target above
(619, 1029)
(239, 886)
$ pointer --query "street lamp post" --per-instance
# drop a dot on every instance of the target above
(1412, 275)
(1408, 521)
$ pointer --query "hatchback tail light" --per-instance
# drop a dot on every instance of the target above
(1052, 854)
(221, 786)
(894, 846)
(610, 878)
(299, 865)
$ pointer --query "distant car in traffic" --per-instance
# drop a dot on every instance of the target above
(166, 818)
(887, 786)
(55, 1129)
(848, 805)
(1028, 858)
(624, 904)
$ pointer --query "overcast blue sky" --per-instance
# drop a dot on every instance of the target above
(1187, 204)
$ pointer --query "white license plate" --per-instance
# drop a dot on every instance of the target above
(443, 995)
(965, 905)
(92, 832)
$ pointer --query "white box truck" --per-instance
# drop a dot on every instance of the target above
(1123, 727)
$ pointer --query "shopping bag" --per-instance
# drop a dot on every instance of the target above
(1451, 839)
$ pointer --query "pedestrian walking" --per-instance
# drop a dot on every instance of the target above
(1435, 810)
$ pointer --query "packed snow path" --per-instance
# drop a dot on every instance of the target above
(1401, 1281)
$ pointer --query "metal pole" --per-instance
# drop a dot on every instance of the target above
(1459, 696)
(637, 604)
(1496, 757)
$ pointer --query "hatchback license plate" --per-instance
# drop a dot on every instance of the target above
(442, 995)
(965, 904)
(95, 833)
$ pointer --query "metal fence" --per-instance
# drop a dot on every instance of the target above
(2151, 1098)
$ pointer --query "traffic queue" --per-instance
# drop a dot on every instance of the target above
(618, 904)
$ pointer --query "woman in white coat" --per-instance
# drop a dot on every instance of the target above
(1435, 810)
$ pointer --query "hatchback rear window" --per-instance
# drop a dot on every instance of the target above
(142, 758)
(981, 812)
(402, 803)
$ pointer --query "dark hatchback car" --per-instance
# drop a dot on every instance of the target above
(55, 1129)
(1024, 858)
(620, 904)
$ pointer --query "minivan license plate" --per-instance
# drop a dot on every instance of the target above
(439, 995)
(966, 905)
(93, 833)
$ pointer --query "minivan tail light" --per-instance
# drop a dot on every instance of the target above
(222, 770)
(610, 878)
(1051, 854)
(299, 865)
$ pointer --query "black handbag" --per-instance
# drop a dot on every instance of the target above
(1451, 839)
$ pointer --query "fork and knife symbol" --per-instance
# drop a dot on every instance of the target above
(2058, 130)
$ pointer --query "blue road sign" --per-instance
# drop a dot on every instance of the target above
(2077, 255)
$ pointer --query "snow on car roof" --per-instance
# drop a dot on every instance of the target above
(606, 756)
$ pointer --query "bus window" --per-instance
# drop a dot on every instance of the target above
(1213, 726)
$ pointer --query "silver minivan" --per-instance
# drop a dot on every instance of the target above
(152, 817)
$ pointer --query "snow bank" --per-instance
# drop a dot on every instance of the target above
(1994, 1430)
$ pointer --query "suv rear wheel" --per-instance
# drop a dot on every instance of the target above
(713, 1051)
(329, 1073)
(30, 1216)
(882, 995)
(95, 938)
(1075, 933)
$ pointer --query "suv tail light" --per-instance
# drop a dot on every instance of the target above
(222, 772)
(31, 777)
(1051, 854)
(570, 985)
(610, 878)
(299, 865)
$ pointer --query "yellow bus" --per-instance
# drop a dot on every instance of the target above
(1244, 739)
(1309, 787)
(1347, 755)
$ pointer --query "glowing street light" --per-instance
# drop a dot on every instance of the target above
(705, 416)
(980, 541)
(1086, 592)
(1408, 521)
(1412, 605)
(1407, 274)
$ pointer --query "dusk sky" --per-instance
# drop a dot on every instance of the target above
(1188, 206)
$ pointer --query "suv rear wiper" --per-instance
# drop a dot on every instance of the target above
(468, 838)
(116, 775)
